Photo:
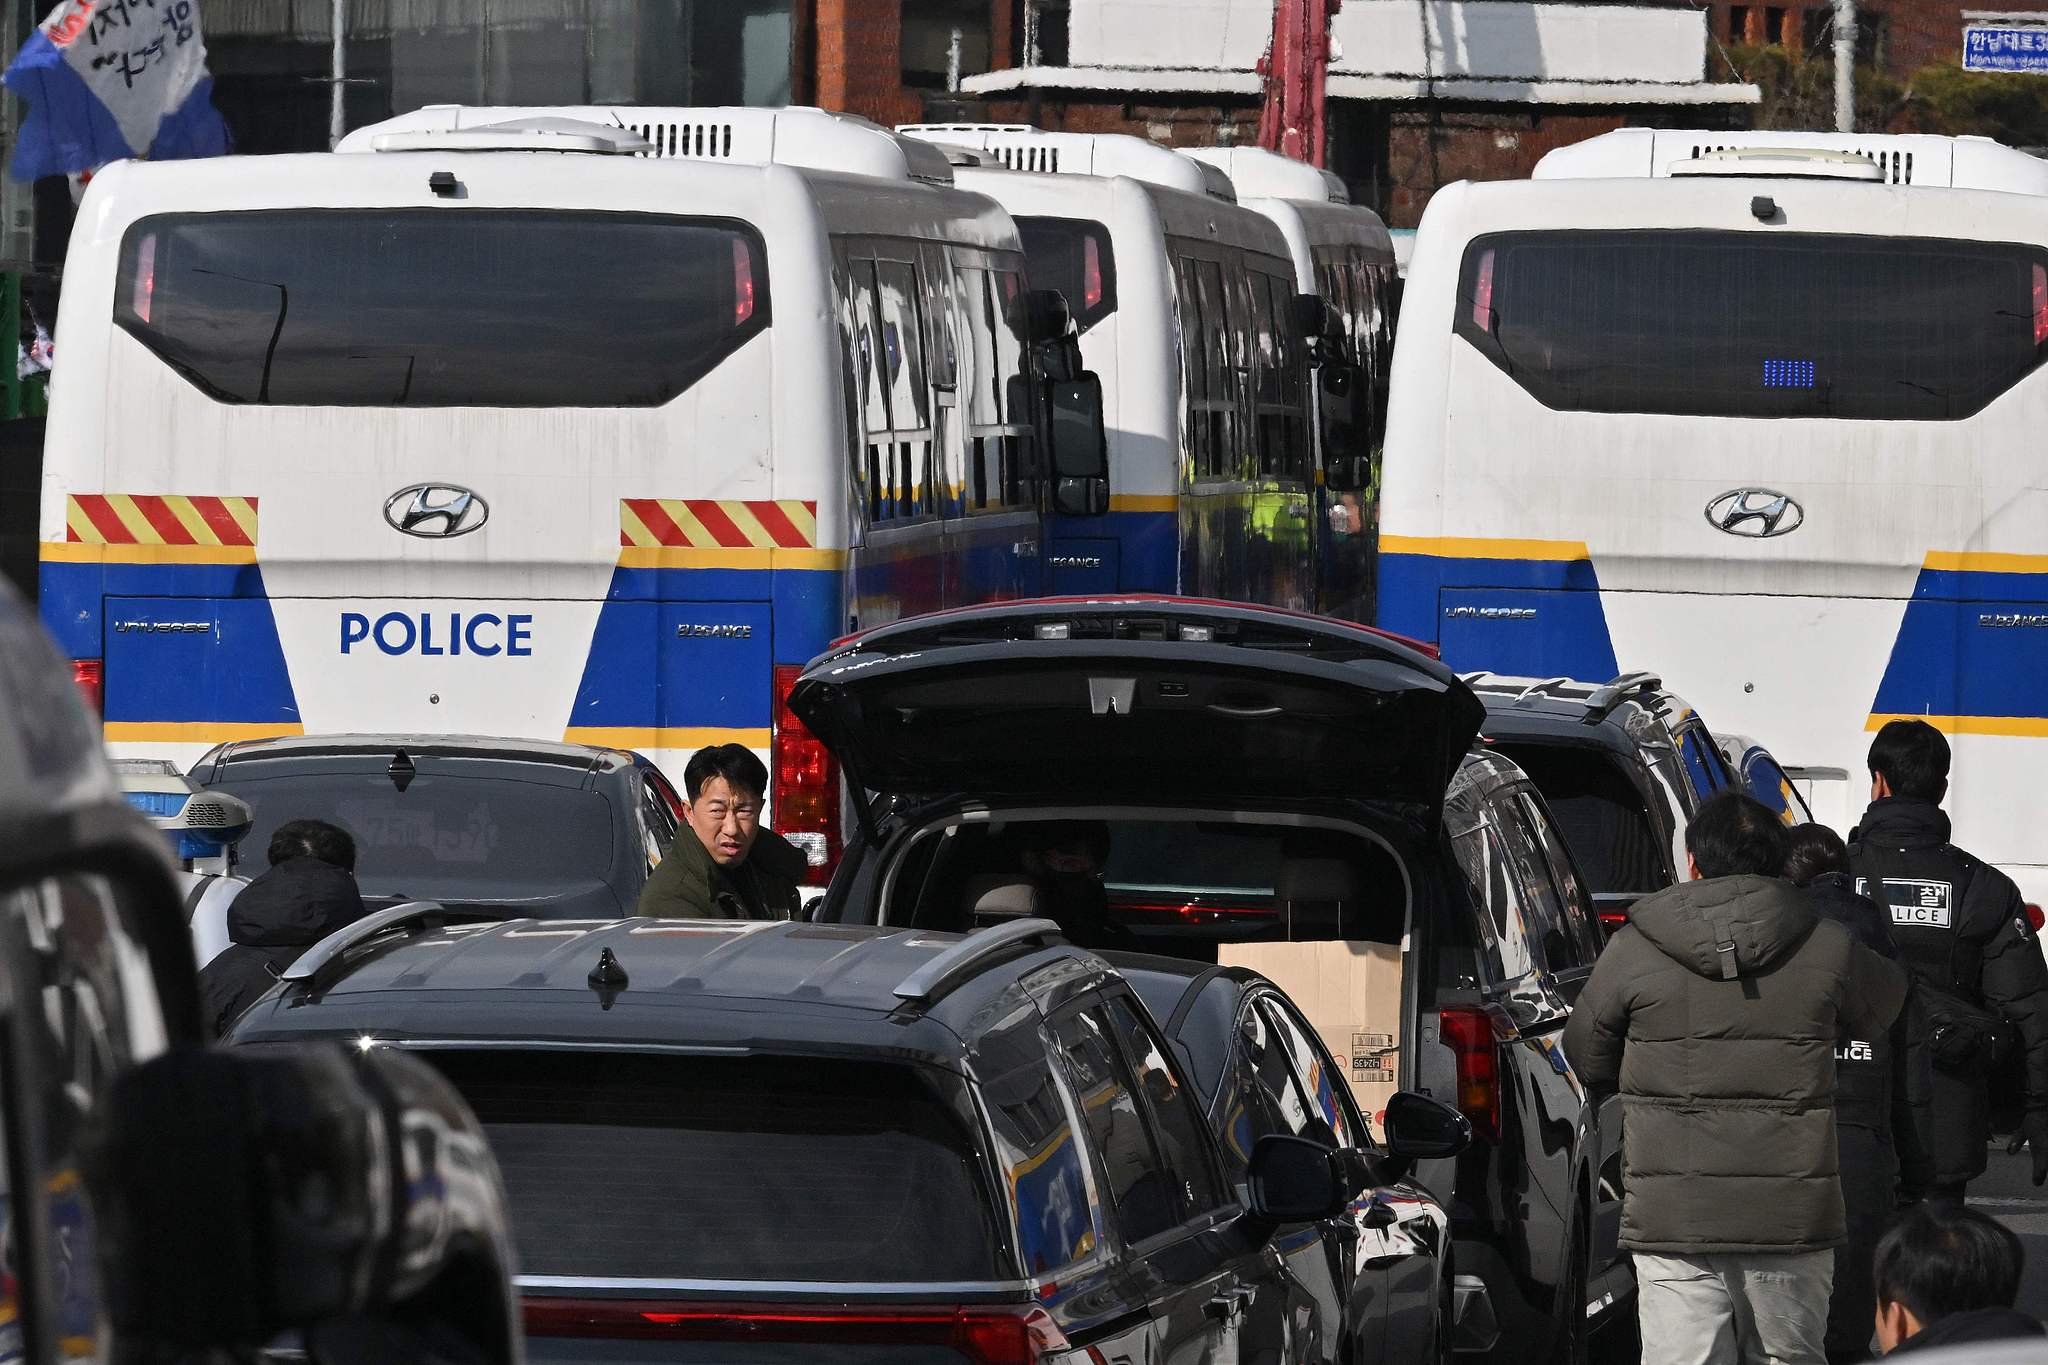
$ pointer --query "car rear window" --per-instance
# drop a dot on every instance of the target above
(443, 837)
(441, 307)
(1752, 324)
(733, 1168)
(1601, 814)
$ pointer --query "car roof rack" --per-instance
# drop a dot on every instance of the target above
(1625, 685)
(968, 956)
(414, 916)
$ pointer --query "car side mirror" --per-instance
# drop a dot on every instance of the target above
(1295, 1180)
(242, 1194)
(1080, 447)
(1422, 1128)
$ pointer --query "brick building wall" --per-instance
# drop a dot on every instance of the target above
(1898, 36)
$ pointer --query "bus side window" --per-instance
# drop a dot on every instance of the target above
(1287, 428)
(1265, 379)
(942, 317)
(905, 348)
(851, 370)
(1218, 354)
(992, 358)
(1015, 386)
(874, 384)
(1194, 347)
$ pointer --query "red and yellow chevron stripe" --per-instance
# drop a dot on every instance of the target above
(718, 524)
(159, 519)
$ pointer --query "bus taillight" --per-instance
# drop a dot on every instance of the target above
(742, 282)
(806, 797)
(91, 679)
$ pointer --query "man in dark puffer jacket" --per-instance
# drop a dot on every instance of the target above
(1715, 1012)
(308, 893)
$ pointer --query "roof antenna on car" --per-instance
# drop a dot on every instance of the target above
(401, 772)
(607, 978)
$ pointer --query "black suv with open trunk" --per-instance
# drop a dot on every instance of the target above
(1240, 779)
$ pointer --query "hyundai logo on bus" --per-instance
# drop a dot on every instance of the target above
(483, 633)
(1755, 512)
(436, 510)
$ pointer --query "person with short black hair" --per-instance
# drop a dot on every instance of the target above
(723, 865)
(1714, 1011)
(1948, 1275)
(308, 893)
(1963, 931)
(1882, 1087)
(331, 844)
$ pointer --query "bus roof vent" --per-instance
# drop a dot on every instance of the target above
(1779, 162)
(1916, 159)
(1256, 173)
(517, 135)
(812, 139)
(1021, 147)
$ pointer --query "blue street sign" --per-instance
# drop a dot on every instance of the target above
(2005, 47)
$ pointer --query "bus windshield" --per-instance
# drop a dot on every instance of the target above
(441, 307)
(1748, 324)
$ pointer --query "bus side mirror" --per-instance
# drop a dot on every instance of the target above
(1341, 403)
(1313, 318)
(1046, 315)
(243, 1194)
(1080, 447)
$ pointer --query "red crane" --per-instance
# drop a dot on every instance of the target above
(1296, 67)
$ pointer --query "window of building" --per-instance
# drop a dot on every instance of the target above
(1774, 25)
(270, 78)
(929, 29)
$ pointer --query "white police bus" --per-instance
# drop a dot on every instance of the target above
(1344, 255)
(1758, 410)
(531, 422)
(1184, 302)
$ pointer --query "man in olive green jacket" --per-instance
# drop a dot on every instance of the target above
(723, 865)
(1715, 1012)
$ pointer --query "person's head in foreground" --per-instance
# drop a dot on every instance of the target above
(1813, 851)
(1735, 834)
(1909, 760)
(1948, 1272)
(723, 787)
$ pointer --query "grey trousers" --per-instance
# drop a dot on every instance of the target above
(1730, 1309)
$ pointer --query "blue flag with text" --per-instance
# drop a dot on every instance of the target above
(107, 79)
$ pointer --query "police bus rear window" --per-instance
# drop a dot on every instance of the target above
(733, 1168)
(1755, 324)
(441, 307)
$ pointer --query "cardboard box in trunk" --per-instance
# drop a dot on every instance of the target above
(1351, 993)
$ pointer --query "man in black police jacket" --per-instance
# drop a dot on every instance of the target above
(1963, 930)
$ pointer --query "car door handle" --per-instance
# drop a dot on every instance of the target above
(1227, 1307)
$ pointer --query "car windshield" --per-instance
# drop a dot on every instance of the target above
(445, 837)
(625, 1164)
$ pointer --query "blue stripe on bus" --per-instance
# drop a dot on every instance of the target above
(692, 648)
(69, 596)
(1971, 646)
(1527, 617)
(806, 601)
